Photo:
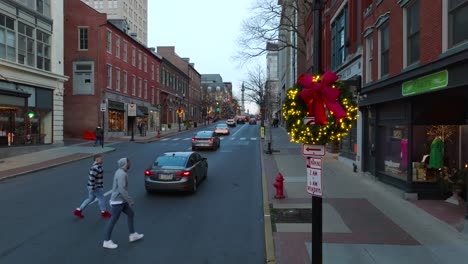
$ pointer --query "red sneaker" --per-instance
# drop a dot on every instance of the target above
(106, 214)
(78, 213)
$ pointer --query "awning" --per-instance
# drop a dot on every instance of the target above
(142, 111)
(116, 105)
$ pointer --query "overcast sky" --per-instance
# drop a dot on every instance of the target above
(204, 31)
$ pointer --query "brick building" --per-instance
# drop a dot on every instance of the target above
(191, 96)
(412, 58)
(108, 66)
(415, 64)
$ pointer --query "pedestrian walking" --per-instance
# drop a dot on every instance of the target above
(95, 188)
(99, 133)
(120, 201)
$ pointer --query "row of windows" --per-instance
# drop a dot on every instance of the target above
(457, 34)
(171, 80)
(24, 44)
(140, 61)
(139, 86)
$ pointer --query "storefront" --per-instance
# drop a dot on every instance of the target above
(25, 115)
(116, 118)
(415, 126)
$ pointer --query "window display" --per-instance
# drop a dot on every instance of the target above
(395, 151)
(116, 121)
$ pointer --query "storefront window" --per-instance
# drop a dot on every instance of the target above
(116, 121)
(394, 151)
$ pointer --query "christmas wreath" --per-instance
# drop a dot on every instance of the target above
(305, 109)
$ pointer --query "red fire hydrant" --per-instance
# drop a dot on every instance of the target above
(279, 186)
(159, 133)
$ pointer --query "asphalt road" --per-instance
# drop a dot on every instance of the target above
(221, 223)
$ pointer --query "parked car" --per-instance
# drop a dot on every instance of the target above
(231, 122)
(205, 139)
(221, 129)
(176, 171)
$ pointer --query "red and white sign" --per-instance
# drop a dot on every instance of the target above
(314, 163)
(313, 150)
(309, 121)
(314, 182)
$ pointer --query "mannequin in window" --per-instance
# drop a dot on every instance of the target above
(436, 158)
(404, 154)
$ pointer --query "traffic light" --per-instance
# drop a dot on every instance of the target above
(31, 114)
(217, 109)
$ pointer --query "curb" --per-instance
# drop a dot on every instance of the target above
(53, 165)
(269, 242)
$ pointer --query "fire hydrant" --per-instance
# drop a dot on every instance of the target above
(279, 186)
(159, 133)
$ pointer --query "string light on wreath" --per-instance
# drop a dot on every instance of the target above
(325, 99)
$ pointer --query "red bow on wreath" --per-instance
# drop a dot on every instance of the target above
(318, 94)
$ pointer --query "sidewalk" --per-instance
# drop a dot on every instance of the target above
(74, 149)
(364, 220)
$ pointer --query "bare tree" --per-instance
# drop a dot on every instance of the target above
(255, 85)
(270, 22)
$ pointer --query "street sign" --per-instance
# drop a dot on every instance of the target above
(103, 107)
(309, 121)
(314, 182)
(132, 110)
(313, 150)
(314, 163)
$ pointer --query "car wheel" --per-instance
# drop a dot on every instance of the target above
(194, 185)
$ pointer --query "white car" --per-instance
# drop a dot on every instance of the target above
(231, 122)
(221, 129)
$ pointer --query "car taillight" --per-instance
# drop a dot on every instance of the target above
(183, 173)
(194, 139)
(149, 173)
(212, 139)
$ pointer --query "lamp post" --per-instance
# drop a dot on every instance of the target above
(103, 111)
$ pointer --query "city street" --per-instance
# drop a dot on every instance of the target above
(221, 223)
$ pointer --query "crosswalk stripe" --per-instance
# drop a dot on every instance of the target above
(242, 138)
(174, 139)
(165, 139)
(187, 138)
(233, 138)
(253, 138)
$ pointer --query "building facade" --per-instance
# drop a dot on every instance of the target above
(135, 12)
(272, 82)
(31, 73)
(216, 97)
(192, 94)
(415, 93)
(108, 70)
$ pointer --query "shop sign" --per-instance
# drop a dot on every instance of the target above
(425, 84)
(103, 107)
(132, 110)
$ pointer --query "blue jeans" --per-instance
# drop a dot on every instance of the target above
(97, 193)
(98, 139)
(116, 210)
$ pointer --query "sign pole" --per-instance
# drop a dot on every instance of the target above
(314, 154)
(103, 110)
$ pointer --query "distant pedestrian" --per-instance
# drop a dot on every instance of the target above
(95, 188)
(99, 132)
(120, 201)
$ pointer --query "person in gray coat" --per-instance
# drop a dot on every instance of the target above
(120, 201)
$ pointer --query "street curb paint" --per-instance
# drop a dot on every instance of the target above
(269, 243)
